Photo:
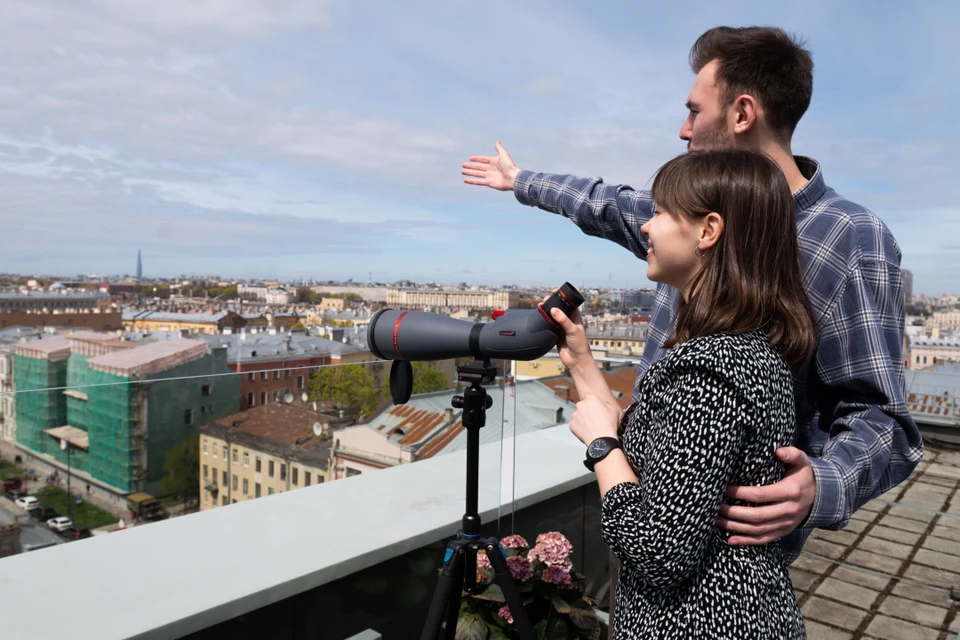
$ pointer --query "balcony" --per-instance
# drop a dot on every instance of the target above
(333, 560)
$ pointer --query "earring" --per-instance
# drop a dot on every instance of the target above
(696, 251)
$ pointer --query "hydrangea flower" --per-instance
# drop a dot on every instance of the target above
(504, 613)
(514, 542)
(520, 568)
(557, 575)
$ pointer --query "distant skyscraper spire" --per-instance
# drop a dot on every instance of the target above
(139, 266)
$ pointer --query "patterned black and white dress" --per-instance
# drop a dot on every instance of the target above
(710, 414)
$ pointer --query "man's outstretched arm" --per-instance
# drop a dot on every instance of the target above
(614, 212)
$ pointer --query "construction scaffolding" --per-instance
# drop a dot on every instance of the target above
(41, 404)
(115, 429)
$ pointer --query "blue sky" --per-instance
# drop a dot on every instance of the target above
(323, 139)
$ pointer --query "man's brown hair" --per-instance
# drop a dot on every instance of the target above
(764, 62)
(751, 278)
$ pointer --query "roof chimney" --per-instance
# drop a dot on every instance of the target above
(448, 413)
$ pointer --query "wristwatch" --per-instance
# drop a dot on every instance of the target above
(600, 449)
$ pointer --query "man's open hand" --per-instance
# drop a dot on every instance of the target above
(497, 172)
(785, 504)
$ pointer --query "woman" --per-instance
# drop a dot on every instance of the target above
(711, 413)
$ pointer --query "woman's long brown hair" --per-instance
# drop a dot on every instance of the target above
(751, 279)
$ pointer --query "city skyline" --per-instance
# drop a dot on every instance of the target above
(281, 140)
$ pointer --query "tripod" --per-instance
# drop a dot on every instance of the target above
(460, 560)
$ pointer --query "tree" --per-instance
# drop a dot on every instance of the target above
(426, 379)
(298, 325)
(348, 384)
(181, 468)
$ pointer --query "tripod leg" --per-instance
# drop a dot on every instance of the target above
(446, 598)
(501, 573)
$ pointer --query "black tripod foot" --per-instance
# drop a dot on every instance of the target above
(445, 606)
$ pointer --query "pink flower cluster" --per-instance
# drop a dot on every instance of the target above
(558, 575)
(514, 542)
(520, 568)
(553, 550)
(504, 613)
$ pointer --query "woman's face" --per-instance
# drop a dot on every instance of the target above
(671, 243)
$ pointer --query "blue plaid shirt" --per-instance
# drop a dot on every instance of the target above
(852, 419)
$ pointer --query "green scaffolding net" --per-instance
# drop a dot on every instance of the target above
(41, 404)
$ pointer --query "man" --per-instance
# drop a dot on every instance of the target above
(855, 437)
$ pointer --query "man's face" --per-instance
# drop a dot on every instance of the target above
(706, 125)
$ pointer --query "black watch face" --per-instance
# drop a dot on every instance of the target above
(597, 448)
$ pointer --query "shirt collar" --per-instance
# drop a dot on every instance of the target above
(807, 195)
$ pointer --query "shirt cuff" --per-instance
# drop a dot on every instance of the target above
(829, 507)
(521, 188)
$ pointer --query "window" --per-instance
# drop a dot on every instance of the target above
(352, 472)
(205, 390)
(283, 471)
(256, 489)
(299, 382)
(205, 440)
(276, 394)
(263, 375)
(206, 472)
(246, 459)
(215, 476)
(286, 373)
(236, 454)
(257, 468)
(213, 451)
(295, 472)
(203, 409)
(246, 486)
(263, 397)
(224, 477)
(306, 478)
(223, 501)
(270, 491)
(276, 374)
(224, 452)
(270, 468)
(188, 417)
(206, 498)
(250, 399)
(250, 377)
(234, 482)
(319, 479)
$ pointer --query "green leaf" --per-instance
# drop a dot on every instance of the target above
(583, 615)
(471, 627)
(540, 630)
(497, 634)
(561, 605)
(557, 630)
(492, 593)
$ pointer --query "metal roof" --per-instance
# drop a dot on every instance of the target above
(426, 425)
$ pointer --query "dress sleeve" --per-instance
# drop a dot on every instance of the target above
(661, 526)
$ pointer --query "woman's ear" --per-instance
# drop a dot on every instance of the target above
(711, 228)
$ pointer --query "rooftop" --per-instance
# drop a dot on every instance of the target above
(150, 358)
(277, 428)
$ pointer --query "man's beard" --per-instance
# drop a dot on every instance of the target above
(714, 138)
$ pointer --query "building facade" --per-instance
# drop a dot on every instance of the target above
(191, 324)
(925, 353)
(413, 298)
(267, 450)
(109, 410)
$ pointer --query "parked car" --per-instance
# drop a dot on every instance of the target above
(75, 533)
(14, 494)
(27, 502)
(60, 523)
(43, 513)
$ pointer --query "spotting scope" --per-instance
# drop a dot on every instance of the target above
(516, 334)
